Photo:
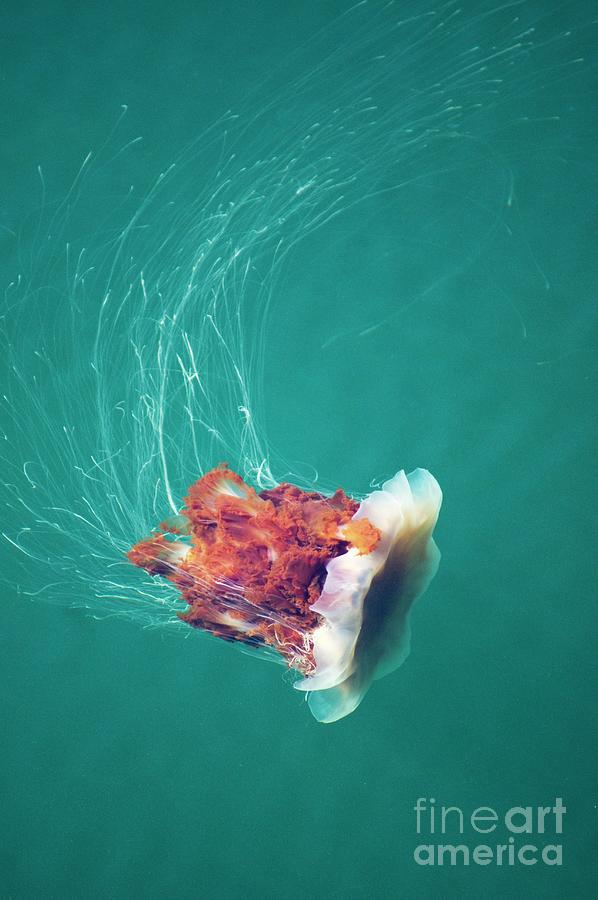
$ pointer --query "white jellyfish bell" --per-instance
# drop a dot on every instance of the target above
(366, 599)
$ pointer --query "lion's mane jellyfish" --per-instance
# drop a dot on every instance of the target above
(325, 581)
(361, 210)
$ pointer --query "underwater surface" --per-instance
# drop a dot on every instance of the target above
(321, 243)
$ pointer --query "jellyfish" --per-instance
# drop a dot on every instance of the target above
(324, 581)
(137, 325)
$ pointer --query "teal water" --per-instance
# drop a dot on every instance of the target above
(446, 317)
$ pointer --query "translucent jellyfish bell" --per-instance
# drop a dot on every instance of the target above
(325, 581)
(366, 598)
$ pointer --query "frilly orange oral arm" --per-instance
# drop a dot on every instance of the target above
(249, 565)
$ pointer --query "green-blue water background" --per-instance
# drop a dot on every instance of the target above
(135, 763)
